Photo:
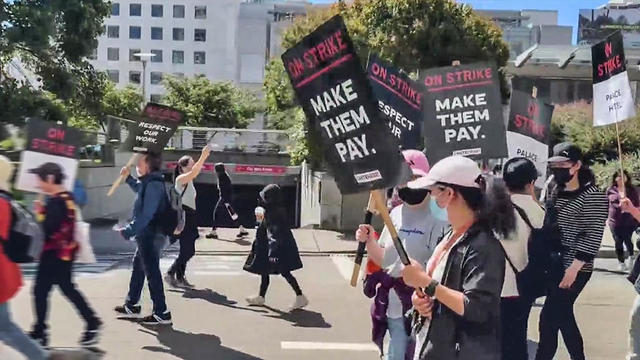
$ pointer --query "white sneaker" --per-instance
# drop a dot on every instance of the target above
(622, 267)
(255, 300)
(301, 301)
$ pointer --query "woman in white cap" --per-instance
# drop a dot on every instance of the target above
(460, 297)
(10, 276)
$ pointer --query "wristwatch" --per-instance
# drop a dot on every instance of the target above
(430, 290)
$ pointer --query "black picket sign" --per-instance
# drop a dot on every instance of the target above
(608, 58)
(399, 102)
(156, 126)
(463, 112)
(530, 116)
(47, 137)
(336, 97)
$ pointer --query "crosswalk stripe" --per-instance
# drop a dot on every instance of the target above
(308, 345)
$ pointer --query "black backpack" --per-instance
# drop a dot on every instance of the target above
(171, 219)
(25, 236)
(544, 268)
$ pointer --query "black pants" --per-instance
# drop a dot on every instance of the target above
(221, 210)
(187, 239)
(264, 285)
(622, 237)
(53, 271)
(557, 315)
(515, 318)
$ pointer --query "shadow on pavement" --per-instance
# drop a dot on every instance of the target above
(240, 241)
(190, 346)
(213, 297)
(301, 318)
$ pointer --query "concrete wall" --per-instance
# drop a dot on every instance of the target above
(310, 183)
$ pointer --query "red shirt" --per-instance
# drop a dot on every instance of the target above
(10, 276)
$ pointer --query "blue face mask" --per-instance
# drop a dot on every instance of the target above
(436, 211)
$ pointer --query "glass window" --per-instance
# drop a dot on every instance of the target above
(156, 98)
(201, 12)
(135, 10)
(178, 11)
(134, 77)
(113, 31)
(113, 54)
(199, 57)
(156, 77)
(93, 55)
(199, 35)
(178, 34)
(156, 33)
(135, 32)
(156, 10)
(115, 9)
(132, 57)
(114, 75)
(178, 57)
(179, 75)
(157, 56)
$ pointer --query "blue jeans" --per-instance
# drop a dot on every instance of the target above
(634, 331)
(146, 264)
(398, 339)
(15, 338)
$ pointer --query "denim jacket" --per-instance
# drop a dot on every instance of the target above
(150, 199)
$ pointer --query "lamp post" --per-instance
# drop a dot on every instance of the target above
(144, 57)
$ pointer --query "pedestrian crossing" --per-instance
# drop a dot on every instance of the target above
(103, 264)
(208, 265)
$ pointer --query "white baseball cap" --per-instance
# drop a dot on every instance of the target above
(454, 170)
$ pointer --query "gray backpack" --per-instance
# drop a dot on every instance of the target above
(26, 237)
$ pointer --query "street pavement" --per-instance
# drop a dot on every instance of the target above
(213, 321)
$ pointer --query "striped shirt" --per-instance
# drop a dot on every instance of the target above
(581, 216)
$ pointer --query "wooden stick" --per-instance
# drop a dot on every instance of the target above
(362, 246)
(381, 207)
(621, 187)
(120, 179)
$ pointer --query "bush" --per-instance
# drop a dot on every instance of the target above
(605, 170)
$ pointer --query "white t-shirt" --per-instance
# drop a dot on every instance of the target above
(516, 244)
(419, 232)
(189, 197)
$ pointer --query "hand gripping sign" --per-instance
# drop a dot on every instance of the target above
(51, 149)
(156, 126)
(463, 112)
(336, 97)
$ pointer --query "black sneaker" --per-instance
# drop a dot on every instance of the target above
(183, 282)
(155, 319)
(242, 234)
(40, 337)
(212, 235)
(171, 280)
(92, 334)
(129, 310)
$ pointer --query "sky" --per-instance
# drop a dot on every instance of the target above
(567, 9)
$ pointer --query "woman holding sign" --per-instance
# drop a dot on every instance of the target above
(464, 276)
(186, 171)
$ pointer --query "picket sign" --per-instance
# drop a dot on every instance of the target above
(357, 263)
(121, 178)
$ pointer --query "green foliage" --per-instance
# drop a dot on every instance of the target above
(604, 170)
(219, 104)
(574, 123)
(18, 102)
(412, 34)
(124, 102)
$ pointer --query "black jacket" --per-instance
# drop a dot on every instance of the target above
(475, 267)
(225, 188)
(274, 238)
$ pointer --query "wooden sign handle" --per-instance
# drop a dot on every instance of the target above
(120, 179)
(361, 246)
(381, 207)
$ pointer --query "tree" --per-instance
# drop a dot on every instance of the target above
(53, 38)
(412, 34)
(219, 104)
(123, 103)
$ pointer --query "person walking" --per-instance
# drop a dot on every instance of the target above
(144, 229)
(58, 218)
(622, 224)
(186, 171)
(627, 206)
(274, 250)
(225, 197)
(420, 232)
(519, 175)
(10, 275)
(581, 215)
(459, 305)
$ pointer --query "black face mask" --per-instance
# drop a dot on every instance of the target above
(412, 196)
(561, 175)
